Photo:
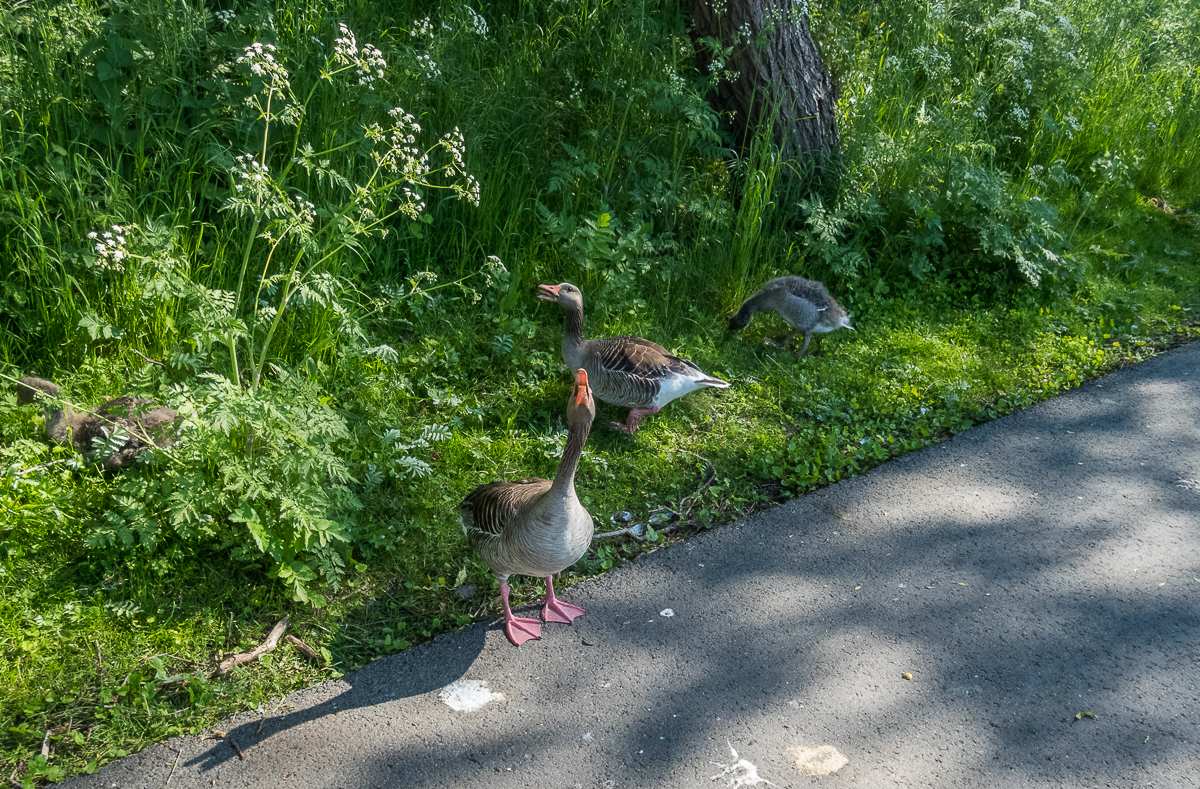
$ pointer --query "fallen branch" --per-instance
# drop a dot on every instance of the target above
(147, 358)
(305, 649)
(174, 764)
(229, 663)
(44, 466)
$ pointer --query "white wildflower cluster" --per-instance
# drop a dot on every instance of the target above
(304, 212)
(455, 145)
(345, 47)
(923, 118)
(1020, 113)
(371, 65)
(576, 92)
(893, 62)
(493, 269)
(110, 247)
(261, 59)
(477, 21)
(401, 156)
(934, 62)
(776, 19)
(368, 62)
(422, 28)
(254, 189)
(425, 63)
(225, 17)
(248, 171)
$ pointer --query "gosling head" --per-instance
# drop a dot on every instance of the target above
(32, 389)
(740, 320)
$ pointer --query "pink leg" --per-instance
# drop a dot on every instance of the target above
(518, 630)
(556, 610)
(635, 416)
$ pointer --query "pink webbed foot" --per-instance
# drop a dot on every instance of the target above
(518, 630)
(556, 610)
(521, 630)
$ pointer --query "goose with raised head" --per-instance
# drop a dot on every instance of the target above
(625, 371)
(536, 526)
(803, 303)
(113, 436)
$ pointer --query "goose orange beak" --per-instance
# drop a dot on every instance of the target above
(582, 392)
(550, 292)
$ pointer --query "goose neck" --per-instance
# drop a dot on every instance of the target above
(573, 331)
(564, 480)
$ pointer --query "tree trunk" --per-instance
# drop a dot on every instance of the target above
(773, 73)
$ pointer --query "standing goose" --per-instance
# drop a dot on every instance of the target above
(625, 371)
(535, 526)
(803, 303)
(113, 436)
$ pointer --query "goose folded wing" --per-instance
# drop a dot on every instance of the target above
(490, 508)
(640, 357)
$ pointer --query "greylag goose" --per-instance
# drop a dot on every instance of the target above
(535, 526)
(625, 371)
(113, 436)
(803, 303)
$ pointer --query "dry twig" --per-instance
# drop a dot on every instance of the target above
(304, 649)
(272, 641)
(147, 358)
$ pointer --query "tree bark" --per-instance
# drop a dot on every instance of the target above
(777, 74)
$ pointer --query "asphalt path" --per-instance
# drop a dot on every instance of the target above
(1016, 607)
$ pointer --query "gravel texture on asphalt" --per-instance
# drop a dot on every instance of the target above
(1016, 607)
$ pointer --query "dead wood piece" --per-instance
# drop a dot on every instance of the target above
(272, 641)
(304, 649)
(174, 764)
(237, 748)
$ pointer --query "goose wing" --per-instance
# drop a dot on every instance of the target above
(808, 289)
(490, 509)
(636, 356)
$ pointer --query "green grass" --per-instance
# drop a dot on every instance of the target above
(351, 373)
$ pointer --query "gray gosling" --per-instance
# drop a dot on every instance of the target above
(113, 436)
(803, 303)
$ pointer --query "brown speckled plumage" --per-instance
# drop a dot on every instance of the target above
(627, 371)
(136, 419)
(533, 526)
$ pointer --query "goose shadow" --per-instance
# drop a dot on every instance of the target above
(413, 672)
